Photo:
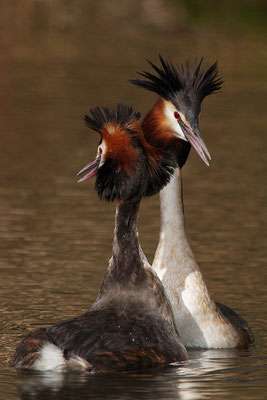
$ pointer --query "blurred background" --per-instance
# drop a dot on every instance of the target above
(59, 58)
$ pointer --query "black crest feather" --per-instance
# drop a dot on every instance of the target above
(170, 79)
(122, 115)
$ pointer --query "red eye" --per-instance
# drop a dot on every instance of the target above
(100, 150)
(176, 115)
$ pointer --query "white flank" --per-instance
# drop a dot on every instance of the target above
(197, 320)
(51, 358)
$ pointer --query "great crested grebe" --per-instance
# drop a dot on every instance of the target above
(172, 125)
(130, 326)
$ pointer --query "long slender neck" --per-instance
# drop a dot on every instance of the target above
(126, 243)
(173, 253)
(126, 265)
(172, 207)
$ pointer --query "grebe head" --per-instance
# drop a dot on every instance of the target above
(181, 90)
(126, 166)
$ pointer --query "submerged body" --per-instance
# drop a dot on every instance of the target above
(172, 124)
(130, 326)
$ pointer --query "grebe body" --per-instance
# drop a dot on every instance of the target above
(130, 326)
(172, 124)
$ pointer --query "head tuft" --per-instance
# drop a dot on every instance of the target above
(170, 80)
(123, 116)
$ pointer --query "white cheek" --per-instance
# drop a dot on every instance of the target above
(101, 152)
(173, 122)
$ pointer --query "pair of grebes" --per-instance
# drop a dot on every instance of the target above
(144, 316)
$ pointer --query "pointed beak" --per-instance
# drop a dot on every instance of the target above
(194, 138)
(90, 168)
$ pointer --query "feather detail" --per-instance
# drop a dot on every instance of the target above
(169, 80)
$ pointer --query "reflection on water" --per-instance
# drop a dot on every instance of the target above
(57, 60)
(194, 379)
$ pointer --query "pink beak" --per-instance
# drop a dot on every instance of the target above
(196, 141)
(92, 167)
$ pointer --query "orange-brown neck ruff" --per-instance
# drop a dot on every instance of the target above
(120, 147)
(158, 133)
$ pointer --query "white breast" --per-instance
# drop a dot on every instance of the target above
(198, 322)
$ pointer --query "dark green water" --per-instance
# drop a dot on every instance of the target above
(58, 59)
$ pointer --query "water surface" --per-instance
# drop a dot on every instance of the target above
(60, 58)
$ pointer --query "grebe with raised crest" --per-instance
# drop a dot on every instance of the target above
(172, 125)
(130, 326)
